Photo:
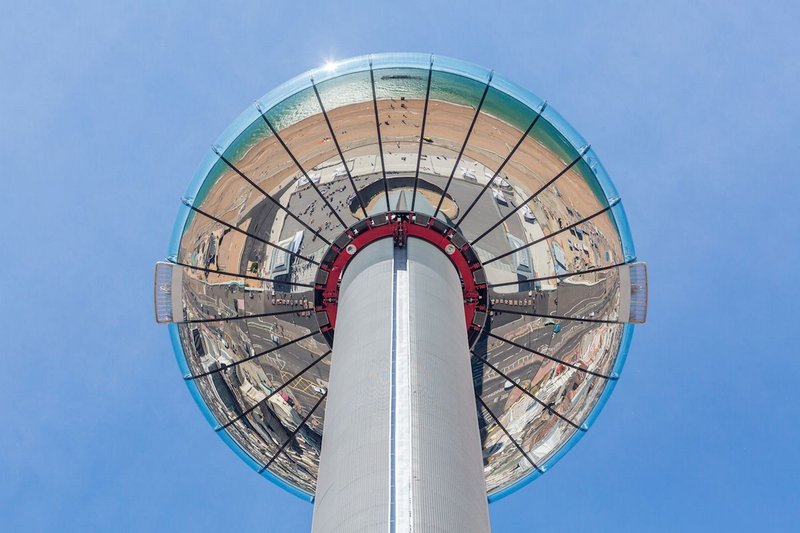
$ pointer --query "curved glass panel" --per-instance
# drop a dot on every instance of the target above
(399, 132)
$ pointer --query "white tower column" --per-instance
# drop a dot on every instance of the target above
(401, 450)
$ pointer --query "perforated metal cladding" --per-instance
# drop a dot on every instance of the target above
(638, 277)
(449, 485)
(163, 292)
(353, 483)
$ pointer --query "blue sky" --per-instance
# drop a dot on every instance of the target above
(107, 110)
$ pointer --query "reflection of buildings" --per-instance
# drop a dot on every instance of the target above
(235, 390)
(252, 331)
(281, 261)
(521, 258)
(526, 420)
(560, 259)
(304, 182)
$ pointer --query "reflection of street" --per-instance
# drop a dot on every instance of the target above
(260, 353)
(244, 386)
(565, 390)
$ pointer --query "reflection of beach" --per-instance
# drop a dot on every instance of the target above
(309, 140)
(210, 244)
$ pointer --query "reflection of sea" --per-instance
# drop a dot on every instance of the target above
(410, 84)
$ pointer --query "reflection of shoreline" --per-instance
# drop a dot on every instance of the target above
(556, 207)
(307, 133)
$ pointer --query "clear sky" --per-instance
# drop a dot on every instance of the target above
(105, 112)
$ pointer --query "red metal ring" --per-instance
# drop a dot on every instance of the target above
(400, 226)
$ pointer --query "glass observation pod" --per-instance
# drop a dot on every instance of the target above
(429, 141)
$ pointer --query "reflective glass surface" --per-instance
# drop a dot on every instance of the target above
(341, 143)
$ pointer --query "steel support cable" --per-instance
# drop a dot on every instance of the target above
(531, 197)
(273, 393)
(551, 358)
(555, 317)
(251, 357)
(503, 164)
(243, 232)
(512, 439)
(537, 241)
(557, 276)
(294, 433)
(242, 317)
(300, 167)
(466, 140)
(525, 391)
(270, 197)
(339, 149)
(422, 134)
(380, 142)
(245, 276)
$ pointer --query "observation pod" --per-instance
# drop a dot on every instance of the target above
(396, 275)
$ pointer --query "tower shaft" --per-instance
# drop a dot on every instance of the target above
(401, 450)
